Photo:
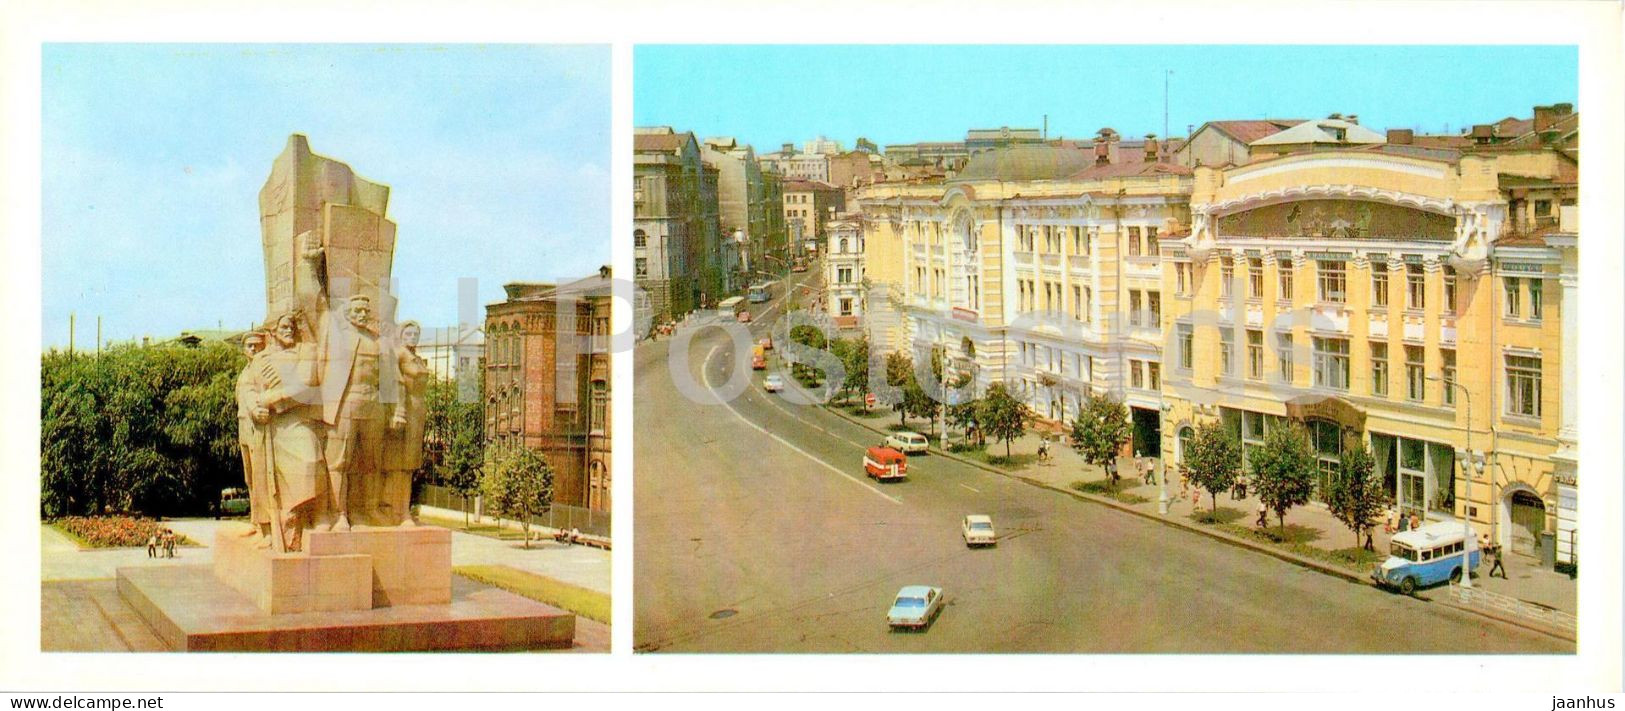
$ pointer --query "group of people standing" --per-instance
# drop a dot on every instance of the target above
(330, 413)
(163, 541)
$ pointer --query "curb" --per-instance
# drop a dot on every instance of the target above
(1271, 551)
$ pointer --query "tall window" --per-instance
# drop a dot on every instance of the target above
(1227, 276)
(641, 266)
(1332, 363)
(1151, 241)
(1283, 278)
(1134, 307)
(1283, 356)
(1255, 354)
(1153, 303)
(1088, 296)
(1523, 385)
(1255, 278)
(1182, 279)
(1534, 299)
(1415, 287)
(1415, 382)
(1512, 292)
(1136, 379)
(1153, 375)
(1133, 241)
(1379, 369)
(1078, 245)
(1448, 368)
(1333, 280)
(1077, 302)
(1186, 348)
(1450, 289)
(1379, 283)
(640, 238)
(1227, 350)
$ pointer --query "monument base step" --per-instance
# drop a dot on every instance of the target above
(193, 611)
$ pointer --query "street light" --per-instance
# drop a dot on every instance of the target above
(1468, 540)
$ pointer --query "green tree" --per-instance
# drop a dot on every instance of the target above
(1099, 431)
(1213, 459)
(1356, 496)
(454, 437)
(1002, 416)
(1283, 469)
(899, 374)
(964, 416)
(855, 358)
(519, 485)
(918, 403)
(148, 429)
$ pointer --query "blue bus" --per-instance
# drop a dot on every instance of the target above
(1427, 555)
(762, 291)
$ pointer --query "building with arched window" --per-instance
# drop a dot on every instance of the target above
(547, 382)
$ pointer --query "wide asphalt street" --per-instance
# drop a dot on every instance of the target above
(757, 531)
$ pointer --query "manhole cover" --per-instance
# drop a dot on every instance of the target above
(724, 614)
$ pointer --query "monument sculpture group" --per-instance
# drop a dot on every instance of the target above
(331, 414)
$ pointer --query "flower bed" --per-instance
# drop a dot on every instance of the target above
(112, 531)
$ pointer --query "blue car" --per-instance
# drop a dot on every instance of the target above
(915, 607)
(1427, 555)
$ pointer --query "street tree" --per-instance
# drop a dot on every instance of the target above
(899, 374)
(1213, 459)
(1356, 497)
(964, 416)
(1002, 416)
(1099, 431)
(918, 403)
(454, 438)
(1283, 469)
(519, 485)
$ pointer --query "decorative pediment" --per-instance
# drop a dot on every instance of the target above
(1335, 218)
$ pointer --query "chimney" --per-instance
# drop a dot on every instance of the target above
(1563, 109)
(1112, 139)
(1353, 118)
(1151, 148)
(1401, 136)
(788, 148)
(1544, 115)
(1101, 157)
(1338, 117)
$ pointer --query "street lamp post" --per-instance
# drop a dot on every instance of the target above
(1469, 541)
(1162, 476)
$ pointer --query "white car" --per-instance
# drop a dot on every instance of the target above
(915, 607)
(773, 383)
(978, 531)
(908, 442)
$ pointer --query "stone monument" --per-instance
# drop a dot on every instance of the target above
(331, 415)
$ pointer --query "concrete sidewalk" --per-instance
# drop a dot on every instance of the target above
(1311, 525)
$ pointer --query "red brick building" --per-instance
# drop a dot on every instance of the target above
(547, 381)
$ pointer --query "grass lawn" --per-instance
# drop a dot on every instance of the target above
(1011, 463)
(590, 604)
(1296, 539)
(479, 529)
(1102, 487)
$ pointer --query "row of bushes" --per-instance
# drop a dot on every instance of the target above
(112, 531)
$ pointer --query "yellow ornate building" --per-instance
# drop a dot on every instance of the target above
(1416, 300)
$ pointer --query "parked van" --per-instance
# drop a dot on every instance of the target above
(884, 463)
(1426, 556)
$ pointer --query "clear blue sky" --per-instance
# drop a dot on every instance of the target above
(497, 158)
(766, 95)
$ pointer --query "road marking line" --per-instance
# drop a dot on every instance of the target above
(968, 487)
(783, 441)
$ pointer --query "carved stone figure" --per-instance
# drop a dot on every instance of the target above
(295, 462)
(251, 422)
(403, 449)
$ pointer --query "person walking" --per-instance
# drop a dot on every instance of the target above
(1495, 561)
(1263, 515)
(152, 546)
(169, 543)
